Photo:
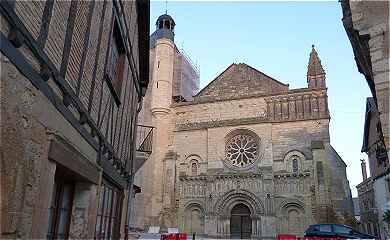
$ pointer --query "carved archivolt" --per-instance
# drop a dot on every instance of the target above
(225, 204)
(287, 204)
(194, 205)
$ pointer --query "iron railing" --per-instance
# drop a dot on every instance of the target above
(144, 138)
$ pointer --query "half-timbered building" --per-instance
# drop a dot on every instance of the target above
(73, 75)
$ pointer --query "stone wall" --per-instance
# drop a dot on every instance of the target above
(368, 212)
(372, 18)
(381, 187)
(240, 80)
(294, 105)
(198, 138)
(28, 123)
(74, 37)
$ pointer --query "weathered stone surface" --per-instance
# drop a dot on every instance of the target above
(240, 80)
(289, 185)
(370, 20)
(29, 120)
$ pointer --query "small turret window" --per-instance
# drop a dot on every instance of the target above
(160, 25)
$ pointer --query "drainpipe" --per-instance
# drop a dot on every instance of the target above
(131, 180)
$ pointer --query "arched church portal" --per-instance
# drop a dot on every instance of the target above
(240, 222)
(239, 215)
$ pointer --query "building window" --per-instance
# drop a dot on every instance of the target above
(116, 63)
(194, 169)
(60, 210)
(295, 164)
(242, 150)
(109, 212)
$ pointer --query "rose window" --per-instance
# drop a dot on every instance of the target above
(242, 150)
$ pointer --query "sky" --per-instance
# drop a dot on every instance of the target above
(276, 38)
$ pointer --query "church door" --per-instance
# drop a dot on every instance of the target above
(240, 222)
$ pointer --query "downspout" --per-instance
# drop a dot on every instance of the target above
(131, 178)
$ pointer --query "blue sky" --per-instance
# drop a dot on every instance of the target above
(276, 38)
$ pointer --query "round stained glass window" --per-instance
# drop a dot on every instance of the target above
(242, 150)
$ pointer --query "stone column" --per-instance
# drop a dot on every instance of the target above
(211, 223)
(268, 226)
(225, 226)
(254, 220)
(41, 212)
(258, 227)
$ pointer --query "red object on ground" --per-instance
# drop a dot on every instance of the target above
(174, 236)
(324, 238)
(293, 237)
(182, 236)
(287, 237)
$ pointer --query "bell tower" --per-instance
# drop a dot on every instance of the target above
(170, 72)
(315, 72)
(163, 54)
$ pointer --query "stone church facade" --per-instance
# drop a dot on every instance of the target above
(246, 157)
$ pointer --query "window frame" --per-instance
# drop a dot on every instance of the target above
(109, 211)
(58, 195)
(117, 41)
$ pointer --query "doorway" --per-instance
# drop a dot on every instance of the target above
(240, 222)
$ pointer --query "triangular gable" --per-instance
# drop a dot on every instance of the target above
(240, 80)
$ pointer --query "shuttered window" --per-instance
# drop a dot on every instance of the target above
(116, 63)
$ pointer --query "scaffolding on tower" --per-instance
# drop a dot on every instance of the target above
(185, 77)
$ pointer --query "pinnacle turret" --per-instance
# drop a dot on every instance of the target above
(315, 71)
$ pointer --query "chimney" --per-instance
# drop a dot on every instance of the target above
(364, 169)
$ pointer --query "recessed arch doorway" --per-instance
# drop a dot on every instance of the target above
(240, 222)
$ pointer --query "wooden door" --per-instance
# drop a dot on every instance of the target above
(240, 222)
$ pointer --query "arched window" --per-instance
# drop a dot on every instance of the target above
(295, 164)
(294, 161)
(194, 169)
